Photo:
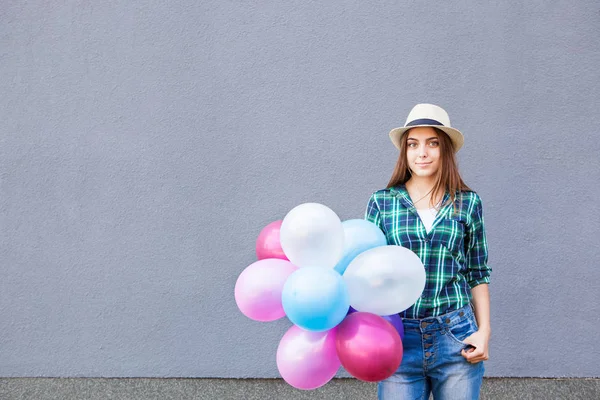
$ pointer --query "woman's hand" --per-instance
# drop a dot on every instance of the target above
(480, 339)
(479, 350)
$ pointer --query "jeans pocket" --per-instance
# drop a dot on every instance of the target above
(461, 330)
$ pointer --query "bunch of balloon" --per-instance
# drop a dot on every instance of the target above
(312, 268)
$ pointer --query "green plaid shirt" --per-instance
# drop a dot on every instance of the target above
(454, 252)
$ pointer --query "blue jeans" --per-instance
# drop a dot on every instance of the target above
(432, 362)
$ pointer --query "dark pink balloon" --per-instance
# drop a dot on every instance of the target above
(268, 244)
(396, 322)
(368, 347)
(393, 319)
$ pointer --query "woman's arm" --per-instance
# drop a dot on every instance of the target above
(480, 339)
(481, 305)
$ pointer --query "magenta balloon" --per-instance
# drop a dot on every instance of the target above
(307, 360)
(393, 319)
(268, 244)
(396, 322)
(368, 346)
(258, 289)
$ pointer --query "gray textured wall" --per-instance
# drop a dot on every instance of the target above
(143, 146)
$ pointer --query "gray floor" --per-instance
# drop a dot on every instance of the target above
(253, 389)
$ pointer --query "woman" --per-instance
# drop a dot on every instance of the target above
(427, 208)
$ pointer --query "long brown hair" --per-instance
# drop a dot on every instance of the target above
(448, 177)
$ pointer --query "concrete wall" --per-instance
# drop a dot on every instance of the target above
(144, 145)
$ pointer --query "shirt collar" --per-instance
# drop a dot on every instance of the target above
(402, 194)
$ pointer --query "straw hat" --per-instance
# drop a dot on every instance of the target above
(428, 115)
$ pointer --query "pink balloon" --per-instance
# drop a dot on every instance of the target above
(268, 244)
(368, 346)
(307, 360)
(393, 319)
(259, 286)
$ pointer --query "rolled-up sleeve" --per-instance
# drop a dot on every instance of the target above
(478, 271)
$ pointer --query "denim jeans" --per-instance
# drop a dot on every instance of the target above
(432, 362)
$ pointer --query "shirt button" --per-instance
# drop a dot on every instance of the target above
(424, 325)
(427, 354)
(461, 314)
(447, 320)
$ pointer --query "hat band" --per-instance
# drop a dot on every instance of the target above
(424, 121)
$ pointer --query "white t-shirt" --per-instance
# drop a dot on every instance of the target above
(427, 217)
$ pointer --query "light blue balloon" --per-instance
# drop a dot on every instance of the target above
(315, 298)
(359, 235)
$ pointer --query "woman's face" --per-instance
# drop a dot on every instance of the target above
(423, 151)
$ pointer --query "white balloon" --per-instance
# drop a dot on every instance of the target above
(312, 235)
(385, 280)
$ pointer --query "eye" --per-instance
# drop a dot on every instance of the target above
(412, 145)
(434, 143)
